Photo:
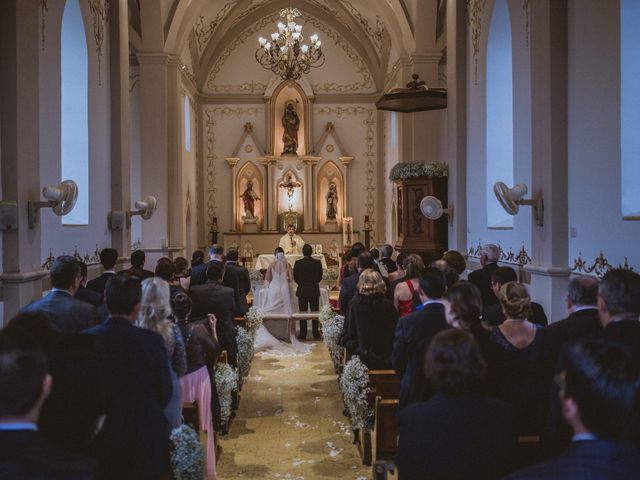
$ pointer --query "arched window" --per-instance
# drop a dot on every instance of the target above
(630, 107)
(499, 112)
(187, 124)
(75, 110)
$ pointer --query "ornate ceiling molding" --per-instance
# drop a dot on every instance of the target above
(203, 33)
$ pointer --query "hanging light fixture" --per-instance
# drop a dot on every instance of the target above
(285, 54)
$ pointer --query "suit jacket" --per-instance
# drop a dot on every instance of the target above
(307, 273)
(347, 291)
(587, 460)
(494, 315)
(455, 437)
(481, 278)
(230, 279)
(141, 273)
(389, 264)
(244, 287)
(25, 455)
(219, 300)
(89, 296)
(66, 313)
(626, 333)
(577, 325)
(134, 440)
(100, 283)
(373, 320)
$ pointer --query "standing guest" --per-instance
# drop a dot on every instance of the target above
(66, 313)
(183, 273)
(24, 386)
(108, 259)
(481, 278)
(134, 442)
(138, 259)
(230, 279)
(398, 274)
(406, 296)
(459, 433)
(166, 270)
(307, 273)
(83, 293)
(37, 325)
(599, 389)
(349, 265)
(244, 281)
(455, 260)
(373, 319)
(155, 315)
(380, 267)
(197, 258)
(386, 251)
(347, 292)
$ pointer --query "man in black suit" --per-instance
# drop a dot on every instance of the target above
(134, 442)
(138, 259)
(598, 387)
(244, 281)
(493, 315)
(307, 273)
(481, 278)
(413, 332)
(108, 259)
(83, 293)
(215, 298)
(386, 251)
(24, 385)
(66, 313)
(230, 279)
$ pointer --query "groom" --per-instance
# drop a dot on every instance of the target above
(307, 273)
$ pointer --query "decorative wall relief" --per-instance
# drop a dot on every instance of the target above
(526, 5)
(204, 32)
(520, 258)
(89, 259)
(100, 12)
(375, 34)
(599, 267)
(44, 9)
(134, 79)
(475, 10)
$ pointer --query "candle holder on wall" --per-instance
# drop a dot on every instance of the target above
(367, 232)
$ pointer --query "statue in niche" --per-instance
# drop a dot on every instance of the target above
(332, 202)
(249, 198)
(291, 124)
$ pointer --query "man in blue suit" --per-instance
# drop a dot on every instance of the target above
(66, 313)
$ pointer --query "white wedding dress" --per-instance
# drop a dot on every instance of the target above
(279, 300)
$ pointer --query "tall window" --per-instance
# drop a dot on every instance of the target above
(630, 107)
(75, 110)
(187, 124)
(499, 112)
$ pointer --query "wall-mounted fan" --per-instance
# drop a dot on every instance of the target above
(511, 198)
(60, 199)
(432, 208)
(145, 208)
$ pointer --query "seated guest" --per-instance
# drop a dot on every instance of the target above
(459, 433)
(138, 259)
(455, 260)
(481, 278)
(24, 386)
(386, 251)
(37, 325)
(183, 273)
(74, 412)
(166, 270)
(155, 315)
(89, 296)
(244, 281)
(134, 441)
(214, 298)
(373, 320)
(619, 307)
(493, 315)
(406, 296)
(599, 389)
(66, 313)
(108, 259)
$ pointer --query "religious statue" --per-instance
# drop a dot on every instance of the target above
(291, 124)
(290, 186)
(332, 203)
(249, 198)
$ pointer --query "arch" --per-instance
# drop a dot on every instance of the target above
(328, 173)
(499, 113)
(74, 111)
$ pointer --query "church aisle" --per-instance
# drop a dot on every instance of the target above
(290, 424)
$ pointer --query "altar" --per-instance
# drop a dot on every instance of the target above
(264, 260)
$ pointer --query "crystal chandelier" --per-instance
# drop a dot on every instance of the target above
(286, 55)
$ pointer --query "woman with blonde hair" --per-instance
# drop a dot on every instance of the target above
(406, 296)
(372, 319)
(155, 315)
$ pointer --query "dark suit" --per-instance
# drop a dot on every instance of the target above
(455, 437)
(218, 300)
(66, 313)
(230, 279)
(24, 455)
(307, 273)
(244, 287)
(141, 273)
(389, 264)
(134, 440)
(626, 333)
(89, 296)
(577, 325)
(481, 278)
(100, 283)
(347, 292)
(373, 322)
(494, 316)
(587, 460)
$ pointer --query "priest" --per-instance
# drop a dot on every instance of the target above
(290, 242)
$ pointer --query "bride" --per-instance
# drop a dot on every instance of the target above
(279, 300)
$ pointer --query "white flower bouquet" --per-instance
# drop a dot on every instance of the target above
(226, 383)
(187, 454)
(254, 319)
(355, 387)
(245, 351)
(407, 170)
(331, 332)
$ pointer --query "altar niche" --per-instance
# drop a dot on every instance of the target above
(331, 197)
(249, 204)
(288, 108)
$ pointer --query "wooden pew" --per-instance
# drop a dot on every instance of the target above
(384, 437)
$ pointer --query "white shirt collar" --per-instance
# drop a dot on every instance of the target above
(430, 301)
(579, 308)
(61, 290)
(582, 437)
(109, 271)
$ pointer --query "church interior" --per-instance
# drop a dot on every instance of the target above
(171, 126)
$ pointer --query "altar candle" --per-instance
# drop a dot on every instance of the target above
(366, 218)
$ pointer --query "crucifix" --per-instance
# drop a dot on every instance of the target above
(290, 185)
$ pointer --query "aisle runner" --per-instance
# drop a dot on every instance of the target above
(290, 424)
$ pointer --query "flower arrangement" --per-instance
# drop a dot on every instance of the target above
(331, 332)
(187, 455)
(330, 274)
(245, 351)
(355, 387)
(406, 170)
(256, 276)
(226, 383)
(254, 319)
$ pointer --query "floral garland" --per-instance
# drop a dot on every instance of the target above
(226, 384)
(245, 351)
(355, 387)
(187, 455)
(331, 332)
(254, 319)
(256, 276)
(407, 170)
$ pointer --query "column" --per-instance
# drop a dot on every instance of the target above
(346, 208)
(266, 206)
(233, 164)
(176, 206)
(273, 206)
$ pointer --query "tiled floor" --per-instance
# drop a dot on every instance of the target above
(290, 424)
